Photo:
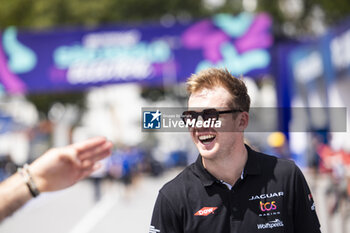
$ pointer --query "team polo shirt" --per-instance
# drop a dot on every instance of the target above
(270, 196)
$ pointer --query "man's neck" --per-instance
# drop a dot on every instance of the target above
(228, 167)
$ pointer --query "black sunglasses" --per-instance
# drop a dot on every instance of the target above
(206, 114)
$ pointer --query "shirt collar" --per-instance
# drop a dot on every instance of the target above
(252, 167)
(198, 169)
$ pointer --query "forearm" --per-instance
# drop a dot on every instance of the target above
(13, 194)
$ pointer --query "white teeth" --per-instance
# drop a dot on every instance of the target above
(205, 137)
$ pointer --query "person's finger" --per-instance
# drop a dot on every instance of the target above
(89, 144)
(100, 156)
(96, 151)
(86, 164)
(90, 170)
(96, 167)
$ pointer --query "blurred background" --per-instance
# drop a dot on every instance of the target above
(70, 70)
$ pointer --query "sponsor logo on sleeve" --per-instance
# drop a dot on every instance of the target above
(152, 229)
(313, 207)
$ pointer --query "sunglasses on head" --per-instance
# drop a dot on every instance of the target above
(206, 114)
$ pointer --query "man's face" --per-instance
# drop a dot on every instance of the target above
(211, 142)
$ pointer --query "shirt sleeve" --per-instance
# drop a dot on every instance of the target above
(305, 217)
(164, 218)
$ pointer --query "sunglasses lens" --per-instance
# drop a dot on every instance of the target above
(210, 114)
(188, 115)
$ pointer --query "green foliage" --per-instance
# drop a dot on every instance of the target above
(333, 12)
(44, 14)
(39, 14)
(336, 10)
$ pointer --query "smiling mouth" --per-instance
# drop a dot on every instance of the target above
(206, 139)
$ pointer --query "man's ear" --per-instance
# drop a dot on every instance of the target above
(243, 121)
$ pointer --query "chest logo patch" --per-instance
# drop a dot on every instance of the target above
(271, 224)
(267, 206)
(205, 211)
(266, 196)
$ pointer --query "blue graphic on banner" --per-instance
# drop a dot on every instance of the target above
(239, 64)
(339, 48)
(234, 26)
(21, 58)
(236, 43)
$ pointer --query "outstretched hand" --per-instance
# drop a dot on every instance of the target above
(62, 167)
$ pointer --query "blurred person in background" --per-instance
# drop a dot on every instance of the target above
(57, 169)
(278, 145)
(231, 187)
(7, 167)
(125, 165)
(336, 163)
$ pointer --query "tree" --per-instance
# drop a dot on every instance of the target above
(39, 14)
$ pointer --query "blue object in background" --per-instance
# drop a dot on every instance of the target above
(21, 59)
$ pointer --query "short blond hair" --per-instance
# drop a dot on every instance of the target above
(213, 77)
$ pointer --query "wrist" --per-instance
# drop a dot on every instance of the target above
(29, 180)
(38, 177)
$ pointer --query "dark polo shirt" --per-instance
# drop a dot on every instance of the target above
(271, 196)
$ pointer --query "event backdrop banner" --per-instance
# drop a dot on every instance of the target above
(66, 59)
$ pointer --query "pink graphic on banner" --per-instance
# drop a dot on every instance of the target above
(240, 52)
(204, 35)
(257, 35)
(10, 81)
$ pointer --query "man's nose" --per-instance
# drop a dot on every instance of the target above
(200, 118)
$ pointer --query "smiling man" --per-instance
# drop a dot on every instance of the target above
(231, 188)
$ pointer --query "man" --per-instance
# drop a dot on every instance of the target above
(58, 168)
(231, 188)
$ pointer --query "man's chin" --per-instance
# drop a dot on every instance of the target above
(208, 153)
